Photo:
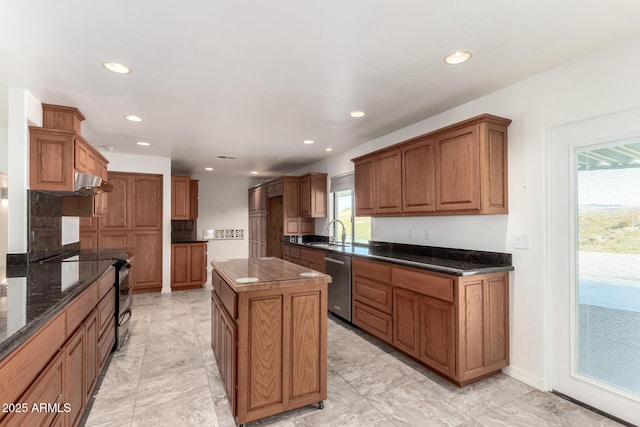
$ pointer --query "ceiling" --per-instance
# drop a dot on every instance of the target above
(253, 79)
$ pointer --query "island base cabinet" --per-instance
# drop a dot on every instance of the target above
(282, 337)
(272, 358)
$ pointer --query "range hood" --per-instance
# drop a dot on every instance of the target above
(90, 185)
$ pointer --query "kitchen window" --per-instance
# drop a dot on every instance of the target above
(358, 229)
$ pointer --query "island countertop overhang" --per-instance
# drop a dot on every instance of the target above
(250, 274)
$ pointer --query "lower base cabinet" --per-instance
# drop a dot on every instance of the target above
(188, 265)
(57, 368)
(456, 326)
(269, 346)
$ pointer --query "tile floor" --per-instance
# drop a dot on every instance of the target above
(166, 375)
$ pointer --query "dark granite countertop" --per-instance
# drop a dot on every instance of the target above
(33, 295)
(178, 241)
(457, 262)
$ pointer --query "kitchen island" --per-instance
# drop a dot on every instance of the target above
(269, 335)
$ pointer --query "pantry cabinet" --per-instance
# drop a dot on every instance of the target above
(193, 199)
(459, 169)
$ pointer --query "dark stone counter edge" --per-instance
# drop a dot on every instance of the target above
(500, 266)
(21, 335)
(178, 241)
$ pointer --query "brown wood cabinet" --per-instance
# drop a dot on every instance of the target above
(313, 195)
(180, 201)
(58, 151)
(188, 265)
(306, 257)
(258, 218)
(459, 169)
(457, 326)
(418, 177)
(134, 222)
(272, 353)
(60, 363)
(193, 199)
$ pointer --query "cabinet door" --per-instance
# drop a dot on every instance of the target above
(146, 201)
(114, 240)
(179, 265)
(305, 196)
(458, 170)
(290, 206)
(88, 240)
(118, 201)
(147, 268)
(437, 335)
(365, 181)
(75, 374)
(198, 263)
(51, 161)
(193, 199)
(228, 366)
(418, 177)
(47, 388)
(179, 197)
(100, 205)
(91, 355)
(388, 196)
(406, 321)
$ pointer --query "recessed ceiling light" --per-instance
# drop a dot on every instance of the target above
(458, 57)
(328, 149)
(134, 118)
(254, 172)
(357, 114)
(144, 144)
(116, 67)
(208, 169)
(308, 141)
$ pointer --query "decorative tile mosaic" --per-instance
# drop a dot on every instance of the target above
(227, 234)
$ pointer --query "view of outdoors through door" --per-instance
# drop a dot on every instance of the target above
(608, 266)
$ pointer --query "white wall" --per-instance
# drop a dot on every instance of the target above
(24, 111)
(593, 86)
(151, 165)
(222, 204)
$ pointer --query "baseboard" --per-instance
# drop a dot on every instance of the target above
(525, 377)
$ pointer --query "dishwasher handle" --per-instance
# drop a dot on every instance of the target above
(337, 261)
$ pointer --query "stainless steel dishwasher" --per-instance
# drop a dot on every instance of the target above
(339, 292)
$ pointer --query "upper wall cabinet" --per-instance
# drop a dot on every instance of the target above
(460, 169)
(193, 199)
(180, 201)
(57, 151)
(313, 195)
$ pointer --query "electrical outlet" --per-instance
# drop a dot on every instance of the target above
(427, 234)
(412, 234)
(521, 241)
(375, 232)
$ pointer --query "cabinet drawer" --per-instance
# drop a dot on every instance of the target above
(19, 369)
(106, 309)
(423, 283)
(106, 283)
(375, 294)
(372, 269)
(373, 321)
(81, 307)
(312, 256)
(216, 282)
(228, 298)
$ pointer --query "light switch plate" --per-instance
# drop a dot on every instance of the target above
(521, 241)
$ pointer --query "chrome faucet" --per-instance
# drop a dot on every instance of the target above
(344, 230)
